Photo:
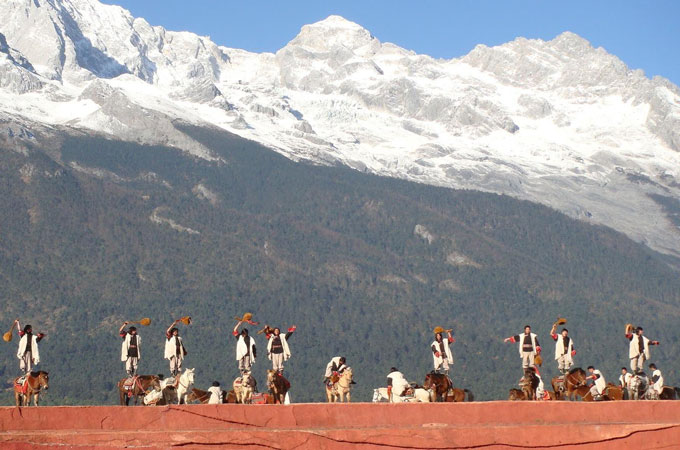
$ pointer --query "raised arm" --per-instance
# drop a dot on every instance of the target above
(167, 332)
(238, 324)
(450, 337)
(290, 332)
(120, 331)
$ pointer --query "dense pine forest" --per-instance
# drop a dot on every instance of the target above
(94, 232)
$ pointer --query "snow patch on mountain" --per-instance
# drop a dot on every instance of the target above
(557, 122)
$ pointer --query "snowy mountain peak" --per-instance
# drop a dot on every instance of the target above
(557, 122)
(335, 32)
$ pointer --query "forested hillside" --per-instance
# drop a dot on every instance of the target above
(94, 232)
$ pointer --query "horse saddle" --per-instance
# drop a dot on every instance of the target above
(129, 383)
(260, 398)
(20, 384)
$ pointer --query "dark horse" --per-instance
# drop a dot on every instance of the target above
(439, 383)
(565, 389)
(278, 385)
(529, 383)
(35, 383)
(140, 384)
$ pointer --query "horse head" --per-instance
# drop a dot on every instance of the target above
(43, 380)
(189, 374)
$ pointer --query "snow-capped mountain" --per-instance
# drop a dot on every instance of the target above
(556, 122)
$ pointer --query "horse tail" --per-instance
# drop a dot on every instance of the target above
(471, 397)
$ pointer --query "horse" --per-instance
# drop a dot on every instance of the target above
(201, 396)
(516, 394)
(138, 387)
(611, 392)
(33, 385)
(669, 393)
(564, 386)
(458, 395)
(278, 385)
(439, 384)
(244, 387)
(185, 382)
(418, 395)
(528, 383)
(340, 387)
(638, 386)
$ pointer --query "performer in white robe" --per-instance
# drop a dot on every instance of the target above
(599, 383)
(638, 349)
(131, 349)
(245, 349)
(174, 349)
(442, 357)
(528, 347)
(28, 352)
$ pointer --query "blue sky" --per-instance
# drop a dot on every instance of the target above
(644, 34)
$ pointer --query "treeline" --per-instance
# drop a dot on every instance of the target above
(330, 250)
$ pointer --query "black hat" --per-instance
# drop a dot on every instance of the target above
(394, 369)
(215, 383)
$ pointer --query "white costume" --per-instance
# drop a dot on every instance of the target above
(624, 379)
(277, 359)
(245, 353)
(638, 358)
(564, 359)
(528, 357)
(335, 362)
(172, 355)
(215, 395)
(599, 385)
(130, 361)
(443, 360)
(399, 383)
(658, 384)
(31, 358)
(540, 389)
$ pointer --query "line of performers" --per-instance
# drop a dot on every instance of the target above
(278, 351)
(638, 353)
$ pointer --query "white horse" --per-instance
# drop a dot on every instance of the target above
(341, 388)
(186, 381)
(243, 388)
(419, 395)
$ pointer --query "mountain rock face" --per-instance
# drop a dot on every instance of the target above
(557, 122)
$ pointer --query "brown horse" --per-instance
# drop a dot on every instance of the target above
(278, 385)
(35, 383)
(529, 383)
(439, 384)
(516, 394)
(564, 386)
(140, 384)
(458, 395)
(611, 392)
(201, 396)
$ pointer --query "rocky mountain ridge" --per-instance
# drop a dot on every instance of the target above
(557, 122)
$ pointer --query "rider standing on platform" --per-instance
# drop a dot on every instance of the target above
(245, 349)
(564, 349)
(131, 349)
(638, 349)
(28, 352)
(441, 350)
(174, 349)
(528, 347)
(277, 348)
